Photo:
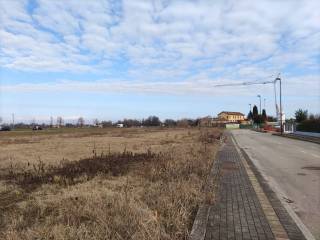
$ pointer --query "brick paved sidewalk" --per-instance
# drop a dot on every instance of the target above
(242, 209)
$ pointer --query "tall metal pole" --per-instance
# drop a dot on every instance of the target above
(259, 96)
(260, 104)
(281, 115)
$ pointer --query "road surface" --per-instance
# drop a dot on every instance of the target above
(292, 168)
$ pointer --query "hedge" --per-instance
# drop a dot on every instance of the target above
(310, 125)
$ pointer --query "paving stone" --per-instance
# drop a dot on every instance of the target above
(242, 209)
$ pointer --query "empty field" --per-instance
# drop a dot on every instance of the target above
(103, 183)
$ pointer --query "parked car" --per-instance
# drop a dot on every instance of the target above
(35, 128)
(5, 128)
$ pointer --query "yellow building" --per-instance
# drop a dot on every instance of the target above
(231, 116)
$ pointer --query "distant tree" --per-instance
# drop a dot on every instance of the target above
(33, 122)
(22, 125)
(151, 121)
(301, 115)
(59, 121)
(196, 122)
(255, 114)
(51, 121)
(80, 122)
(183, 123)
(106, 124)
(131, 122)
(271, 119)
(0, 120)
(264, 115)
(170, 123)
(250, 115)
(96, 122)
(311, 116)
(193, 122)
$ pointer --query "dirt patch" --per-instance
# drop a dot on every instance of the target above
(72, 172)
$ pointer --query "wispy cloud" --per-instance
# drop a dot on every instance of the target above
(158, 35)
(192, 86)
(154, 47)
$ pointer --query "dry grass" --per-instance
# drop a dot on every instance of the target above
(115, 184)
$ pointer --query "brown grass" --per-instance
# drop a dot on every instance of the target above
(132, 184)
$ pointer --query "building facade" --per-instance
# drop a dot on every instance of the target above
(231, 116)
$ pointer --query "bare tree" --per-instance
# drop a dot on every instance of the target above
(80, 121)
(33, 122)
(51, 121)
(96, 121)
(59, 121)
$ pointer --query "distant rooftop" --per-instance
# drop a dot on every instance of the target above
(232, 113)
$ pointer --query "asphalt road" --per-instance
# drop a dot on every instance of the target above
(292, 168)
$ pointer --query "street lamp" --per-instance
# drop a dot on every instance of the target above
(259, 96)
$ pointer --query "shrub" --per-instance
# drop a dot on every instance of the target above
(310, 125)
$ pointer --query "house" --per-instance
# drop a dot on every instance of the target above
(211, 122)
(231, 116)
(205, 121)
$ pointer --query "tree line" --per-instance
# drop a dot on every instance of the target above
(151, 121)
(307, 122)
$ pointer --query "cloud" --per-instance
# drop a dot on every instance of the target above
(164, 40)
(200, 86)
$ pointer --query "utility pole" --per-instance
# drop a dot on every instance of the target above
(250, 106)
(281, 126)
(259, 96)
(264, 104)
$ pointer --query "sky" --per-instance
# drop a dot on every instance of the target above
(110, 59)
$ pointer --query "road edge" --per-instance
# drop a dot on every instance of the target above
(299, 138)
(199, 227)
(286, 215)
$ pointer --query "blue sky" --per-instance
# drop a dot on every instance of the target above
(115, 59)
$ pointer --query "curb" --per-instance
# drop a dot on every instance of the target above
(199, 227)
